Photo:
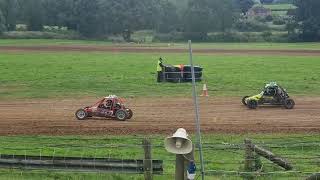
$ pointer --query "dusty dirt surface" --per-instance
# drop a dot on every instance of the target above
(146, 49)
(157, 115)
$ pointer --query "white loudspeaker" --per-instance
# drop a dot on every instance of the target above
(179, 143)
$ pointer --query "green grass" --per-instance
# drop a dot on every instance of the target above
(37, 42)
(279, 6)
(54, 75)
(221, 152)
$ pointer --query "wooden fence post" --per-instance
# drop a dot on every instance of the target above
(147, 162)
(273, 158)
(187, 159)
(249, 159)
(179, 175)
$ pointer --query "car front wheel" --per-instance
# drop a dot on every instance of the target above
(252, 104)
(289, 103)
(121, 115)
(81, 114)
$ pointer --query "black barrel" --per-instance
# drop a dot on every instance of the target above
(187, 76)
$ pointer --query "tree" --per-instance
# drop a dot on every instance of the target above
(245, 5)
(167, 18)
(2, 23)
(204, 16)
(33, 14)
(88, 17)
(128, 16)
(266, 1)
(308, 16)
(9, 10)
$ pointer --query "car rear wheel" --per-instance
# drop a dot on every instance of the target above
(244, 100)
(81, 114)
(289, 103)
(252, 104)
(130, 113)
(121, 115)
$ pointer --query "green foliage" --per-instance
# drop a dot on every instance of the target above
(250, 25)
(33, 14)
(40, 35)
(308, 14)
(169, 37)
(267, 35)
(168, 17)
(10, 10)
(245, 5)
(2, 23)
(279, 20)
(268, 18)
(266, 1)
(204, 16)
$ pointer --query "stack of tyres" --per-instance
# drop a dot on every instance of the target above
(172, 74)
(187, 76)
(181, 74)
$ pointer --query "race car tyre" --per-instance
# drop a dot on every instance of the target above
(244, 100)
(81, 114)
(121, 115)
(252, 104)
(130, 113)
(289, 103)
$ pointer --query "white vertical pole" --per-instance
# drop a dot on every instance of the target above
(196, 106)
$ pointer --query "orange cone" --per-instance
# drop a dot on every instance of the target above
(205, 91)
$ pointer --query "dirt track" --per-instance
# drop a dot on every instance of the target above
(146, 49)
(157, 115)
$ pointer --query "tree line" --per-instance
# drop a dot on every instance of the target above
(95, 18)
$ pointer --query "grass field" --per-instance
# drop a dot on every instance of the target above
(280, 6)
(221, 152)
(54, 75)
(37, 42)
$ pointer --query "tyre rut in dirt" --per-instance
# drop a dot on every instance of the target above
(81, 114)
(130, 113)
(289, 103)
(121, 115)
(252, 104)
(244, 100)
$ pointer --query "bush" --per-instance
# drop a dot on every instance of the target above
(250, 25)
(196, 36)
(235, 37)
(269, 18)
(39, 35)
(170, 37)
(279, 21)
(267, 36)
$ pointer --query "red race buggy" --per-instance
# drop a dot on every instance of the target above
(109, 107)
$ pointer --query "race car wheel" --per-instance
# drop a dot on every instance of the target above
(244, 100)
(81, 114)
(289, 103)
(130, 113)
(252, 104)
(121, 115)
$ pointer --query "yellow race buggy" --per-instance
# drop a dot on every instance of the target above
(273, 94)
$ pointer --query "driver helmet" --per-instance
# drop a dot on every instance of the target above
(108, 102)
